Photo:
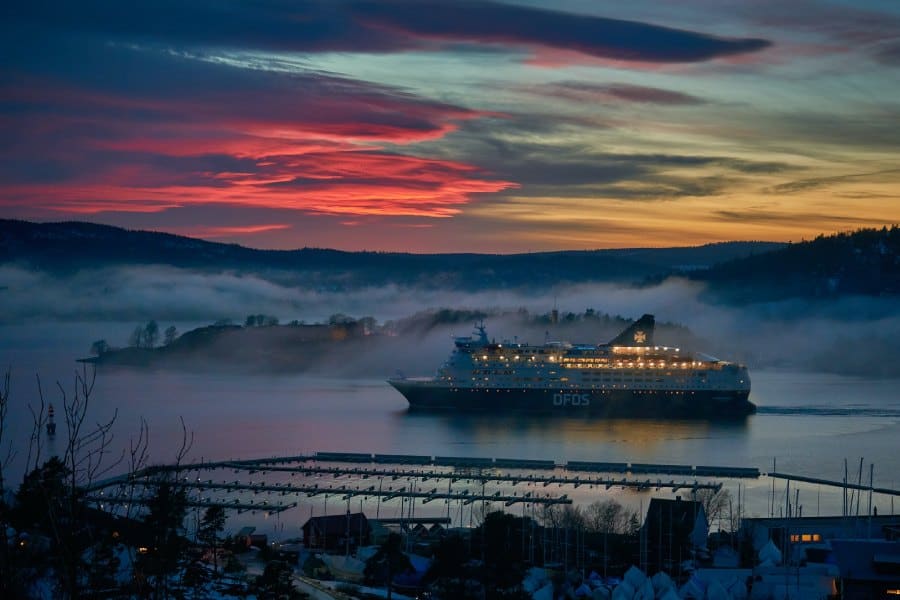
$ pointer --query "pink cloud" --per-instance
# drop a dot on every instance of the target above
(319, 150)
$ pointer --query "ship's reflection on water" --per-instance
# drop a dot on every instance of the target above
(633, 437)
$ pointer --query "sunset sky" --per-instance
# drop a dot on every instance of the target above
(454, 125)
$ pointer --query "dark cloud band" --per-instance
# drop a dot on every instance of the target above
(383, 26)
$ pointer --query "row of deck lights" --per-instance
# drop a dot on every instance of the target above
(618, 364)
(641, 349)
(621, 365)
(553, 357)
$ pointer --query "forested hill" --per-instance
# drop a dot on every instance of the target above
(864, 262)
(70, 246)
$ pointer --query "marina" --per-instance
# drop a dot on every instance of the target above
(387, 477)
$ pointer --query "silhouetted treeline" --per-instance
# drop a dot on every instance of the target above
(360, 346)
(865, 262)
(70, 246)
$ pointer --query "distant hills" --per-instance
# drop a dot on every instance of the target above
(827, 304)
(865, 262)
(71, 246)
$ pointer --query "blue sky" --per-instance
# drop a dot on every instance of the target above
(454, 126)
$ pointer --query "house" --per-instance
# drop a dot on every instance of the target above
(128, 531)
(242, 537)
(868, 568)
(804, 531)
(673, 532)
(332, 533)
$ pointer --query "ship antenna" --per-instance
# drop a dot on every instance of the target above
(482, 334)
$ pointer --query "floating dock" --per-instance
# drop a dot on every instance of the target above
(375, 476)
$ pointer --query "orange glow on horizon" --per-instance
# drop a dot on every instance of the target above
(217, 232)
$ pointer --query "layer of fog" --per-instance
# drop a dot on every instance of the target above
(850, 335)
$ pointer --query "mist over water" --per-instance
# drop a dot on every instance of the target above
(852, 335)
(811, 417)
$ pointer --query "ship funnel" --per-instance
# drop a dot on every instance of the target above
(639, 333)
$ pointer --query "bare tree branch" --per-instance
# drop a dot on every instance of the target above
(38, 419)
(187, 441)
(4, 408)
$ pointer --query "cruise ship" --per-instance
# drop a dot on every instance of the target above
(630, 376)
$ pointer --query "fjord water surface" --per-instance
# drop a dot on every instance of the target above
(809, 422)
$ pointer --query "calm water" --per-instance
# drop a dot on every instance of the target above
(809, 422)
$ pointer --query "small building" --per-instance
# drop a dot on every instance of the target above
(128, 531)
(332, 533)
(242, 537)
(789, 533)
(674, 531)
(868, 568)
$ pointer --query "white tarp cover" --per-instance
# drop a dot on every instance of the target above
(345, 568)
(693, 588)
(601, 593)
(583, 591)
(733, 581)
(364, 553)
(645, 592)
(770, 552)
(661, 583)
(737, 589)
(535, 578)
(545, 593)
(635, 577)
(715, 591)
(419, 563)
(813, 581)
(623, 591)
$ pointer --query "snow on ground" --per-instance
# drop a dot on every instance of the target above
(381, 593)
